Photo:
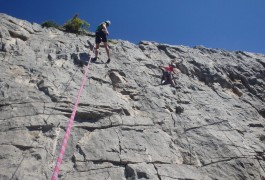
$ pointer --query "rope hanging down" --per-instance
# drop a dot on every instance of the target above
(69, 126)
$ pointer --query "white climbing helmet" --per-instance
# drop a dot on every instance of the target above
(108, 22)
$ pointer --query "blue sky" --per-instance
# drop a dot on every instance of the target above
(226, 24)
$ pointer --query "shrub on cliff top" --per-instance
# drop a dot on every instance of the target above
(75, 25)
(48, 24)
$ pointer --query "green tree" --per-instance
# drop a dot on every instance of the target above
(75, 25)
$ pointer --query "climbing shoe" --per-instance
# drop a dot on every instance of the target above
(108, 61)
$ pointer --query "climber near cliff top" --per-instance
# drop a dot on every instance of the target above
(101, 36)
(167, 74)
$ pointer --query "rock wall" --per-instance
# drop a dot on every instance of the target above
(127, 125)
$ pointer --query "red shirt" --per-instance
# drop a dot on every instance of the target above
(169, 68)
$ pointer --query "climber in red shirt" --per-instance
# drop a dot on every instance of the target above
(167, 74)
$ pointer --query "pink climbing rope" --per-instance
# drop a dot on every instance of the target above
(69, 126)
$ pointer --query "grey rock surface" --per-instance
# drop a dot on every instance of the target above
(127, 125)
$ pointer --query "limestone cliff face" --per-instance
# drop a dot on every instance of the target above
(127, 125)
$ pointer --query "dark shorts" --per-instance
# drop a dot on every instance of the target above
(101, 37)
(166, 74)
(166, 77)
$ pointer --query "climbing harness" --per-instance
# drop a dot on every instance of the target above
(70, 124)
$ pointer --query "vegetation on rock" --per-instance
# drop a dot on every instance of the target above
(75, 25)
(49, 24)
